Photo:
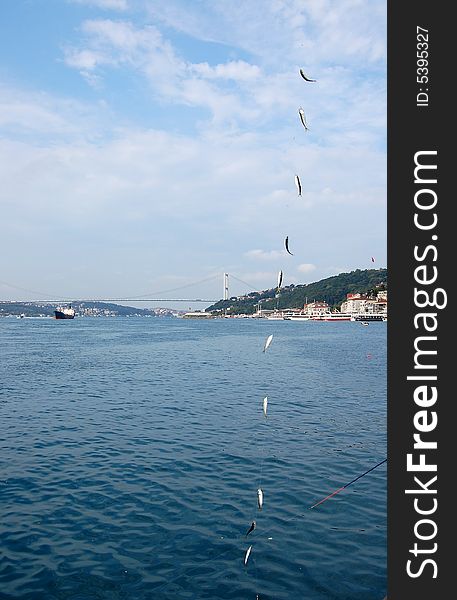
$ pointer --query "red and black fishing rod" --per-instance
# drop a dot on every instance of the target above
(348, 484)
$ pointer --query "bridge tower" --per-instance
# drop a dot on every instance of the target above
(226, 287)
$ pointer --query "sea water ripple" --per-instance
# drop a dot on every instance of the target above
(132, 450)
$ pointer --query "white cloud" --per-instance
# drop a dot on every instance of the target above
(261, 276)
(263, 255)
(237, 70)
(306, 268)
(40, 117)
(213, 180)
(86, 60)
(119, 44)
(122, 35)
(347, 31)
(116, 43)
(241, 94)
(120, 5)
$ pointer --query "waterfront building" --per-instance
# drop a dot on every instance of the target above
(359, 304)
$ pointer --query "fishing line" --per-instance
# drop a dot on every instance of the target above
(260, 445)
(256, 576)
(262, 460)
(266, 427)
(262, 435)
(260, 439)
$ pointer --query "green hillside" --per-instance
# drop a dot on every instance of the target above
(332, 290)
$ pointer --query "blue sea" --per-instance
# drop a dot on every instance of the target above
(131, 451)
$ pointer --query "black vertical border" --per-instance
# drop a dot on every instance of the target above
(411, 129)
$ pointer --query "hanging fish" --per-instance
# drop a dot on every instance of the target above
(267, 342)
(260, 498)
(279, 280)
(265, 405)
(301, 112)
(286, 244)
(246, 556)
(298, 184)
(251, 528)
(305, 77)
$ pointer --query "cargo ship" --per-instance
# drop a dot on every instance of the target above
(64, 312)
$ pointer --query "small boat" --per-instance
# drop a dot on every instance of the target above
(296, 316)
(66, 312)
(369, 317)
(275, 317)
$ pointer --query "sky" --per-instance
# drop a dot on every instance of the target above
(147, 147)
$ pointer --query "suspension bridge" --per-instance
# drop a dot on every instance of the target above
(160, 296)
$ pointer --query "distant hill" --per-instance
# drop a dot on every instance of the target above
(332, 290)
(85, 309)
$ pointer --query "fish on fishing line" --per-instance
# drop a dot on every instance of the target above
(268, 342)
(251, 528)
(298, 184)
(301, 112)
(286, 245)
(260, 498)
(278, 287)
(306, 78)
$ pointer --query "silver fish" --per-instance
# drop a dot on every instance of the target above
(302, 73)
(267, 342)
(279, 279)
(298, 184)
(260, 498)
(251, 528)
(303, 118)
(286, 244)
(265, 405)
(246, 556)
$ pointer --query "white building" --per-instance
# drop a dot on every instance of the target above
(315, 308)
(357, 304)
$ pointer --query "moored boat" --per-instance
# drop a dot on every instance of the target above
(275, 317)
(297, 318)
(332, 316)
(370, 317)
